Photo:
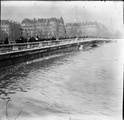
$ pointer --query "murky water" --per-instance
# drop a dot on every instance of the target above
(80, 85)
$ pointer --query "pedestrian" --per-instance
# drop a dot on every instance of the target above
(6, 41)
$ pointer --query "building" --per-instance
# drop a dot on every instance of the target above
(43, 28)
(71, 30)
(5, 26)
(10, 30)
(86, 29)
(50, 28)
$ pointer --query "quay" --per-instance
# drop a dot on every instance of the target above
(16, 53)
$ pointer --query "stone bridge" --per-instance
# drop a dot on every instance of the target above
(15, 53)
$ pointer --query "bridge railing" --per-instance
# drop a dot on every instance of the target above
(30, 45)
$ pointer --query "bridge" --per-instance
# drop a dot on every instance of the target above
(15, 53)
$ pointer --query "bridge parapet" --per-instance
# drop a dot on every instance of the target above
(22, 46)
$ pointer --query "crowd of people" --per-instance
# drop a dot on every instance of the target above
(6, 41)
(34, 39)
(25, 40)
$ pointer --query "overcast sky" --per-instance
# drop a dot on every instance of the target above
(110, 13)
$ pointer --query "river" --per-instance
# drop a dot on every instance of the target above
(79, 85)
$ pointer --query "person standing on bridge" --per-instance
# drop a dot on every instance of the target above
(6, 41)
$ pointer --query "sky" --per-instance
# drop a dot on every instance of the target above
(109, 13)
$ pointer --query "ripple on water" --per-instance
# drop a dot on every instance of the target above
(79, 82)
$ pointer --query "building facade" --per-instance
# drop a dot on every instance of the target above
(10, 29)
(51, 28)
(87, 29)
(43, 28)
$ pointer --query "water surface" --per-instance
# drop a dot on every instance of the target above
(80, 85)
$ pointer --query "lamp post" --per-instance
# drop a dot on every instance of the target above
(76, 35)
(21, 31)
(12, 31)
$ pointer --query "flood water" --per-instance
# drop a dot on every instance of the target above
(79, 85)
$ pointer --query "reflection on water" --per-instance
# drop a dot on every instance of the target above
(68, 85)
